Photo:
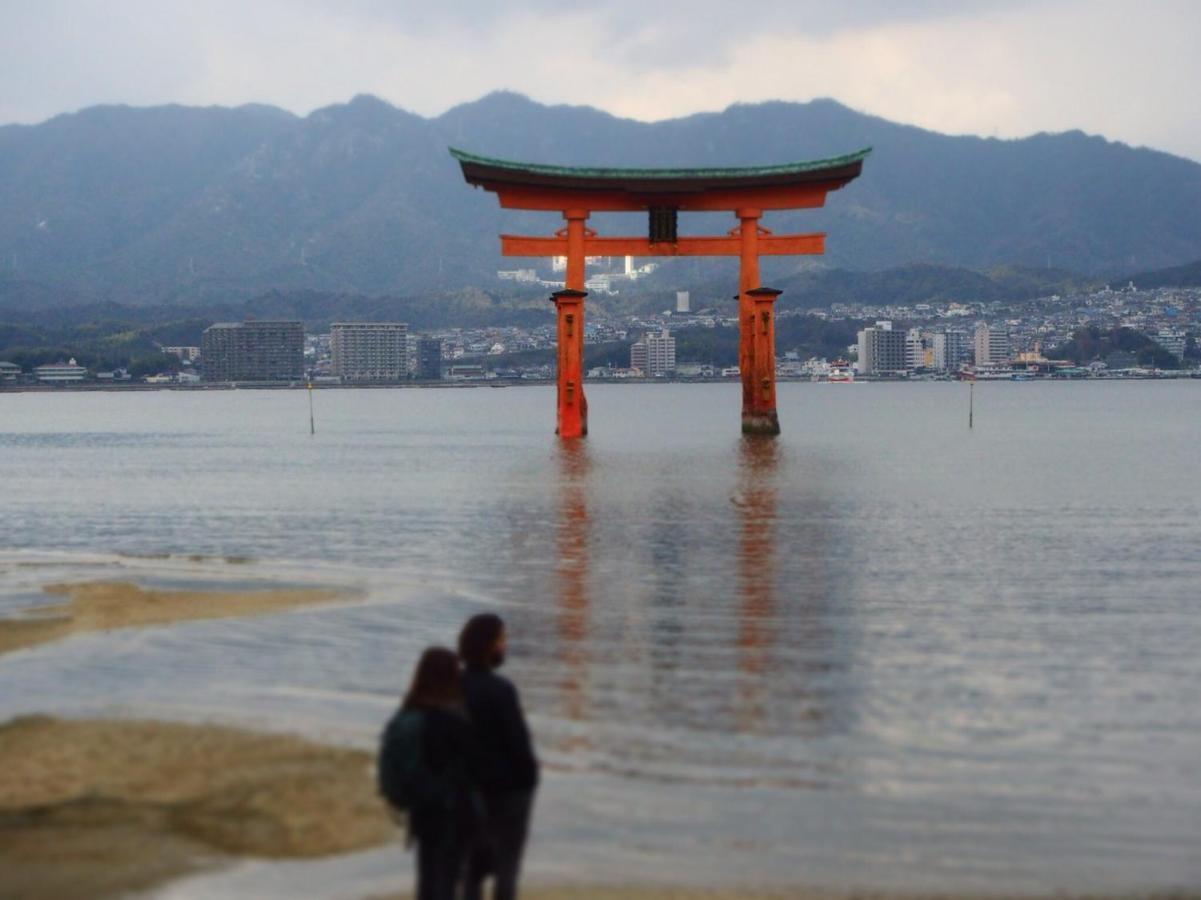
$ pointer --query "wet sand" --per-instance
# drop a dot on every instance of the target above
(99, 809)
(94, 809)
(103, 605)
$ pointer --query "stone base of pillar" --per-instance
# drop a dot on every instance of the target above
(761, 423)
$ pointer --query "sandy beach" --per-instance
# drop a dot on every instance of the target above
(104, 605)
(82, 801)
(99, 808)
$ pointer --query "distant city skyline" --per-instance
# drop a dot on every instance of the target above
(986, 67)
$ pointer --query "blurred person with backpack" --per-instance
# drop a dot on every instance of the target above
(427, 766)
(508, 768)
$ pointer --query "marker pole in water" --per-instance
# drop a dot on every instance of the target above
(312, 421)
(971, 401)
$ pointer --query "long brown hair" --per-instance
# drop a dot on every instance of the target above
(437, 681)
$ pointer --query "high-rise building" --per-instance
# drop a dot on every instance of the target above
(1171, 339)
(881, 350)
(369, 351)
(915, 349)
(253, 351)
(411, 343)
(429, 359)
(992, 345)
(654, 354)
(683, 302)
(951, 348)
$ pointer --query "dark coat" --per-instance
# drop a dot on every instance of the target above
(450, 747)
(506, 753)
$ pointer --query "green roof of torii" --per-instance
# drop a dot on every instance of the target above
(738, 173)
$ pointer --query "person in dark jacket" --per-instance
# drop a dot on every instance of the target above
(446, 822)
(508, 768)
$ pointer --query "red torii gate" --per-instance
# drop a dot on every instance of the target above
(663, 193)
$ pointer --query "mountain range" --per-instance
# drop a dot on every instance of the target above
(183, 206)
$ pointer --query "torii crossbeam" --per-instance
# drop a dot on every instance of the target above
(576, 193)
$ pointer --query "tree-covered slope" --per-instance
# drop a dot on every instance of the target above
(189, 205)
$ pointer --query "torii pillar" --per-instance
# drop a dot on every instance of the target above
(756, 333)
(757, 330)
(572, 408)
(572, 418)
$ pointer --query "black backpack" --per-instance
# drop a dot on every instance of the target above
(405, 779)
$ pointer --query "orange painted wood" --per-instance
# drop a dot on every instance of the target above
(578, 199)
(574, 249)
(748, 278)
(759, 414)
(769, 245)
(572, 408)
(763, 394)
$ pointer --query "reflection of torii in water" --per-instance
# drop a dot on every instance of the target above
(766, 621)
(757, 463)
(572, 623)
(783, 640)
(747, 192)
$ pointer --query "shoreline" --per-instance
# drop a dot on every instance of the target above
(104, 605)
(82, 799)
(1184, 375)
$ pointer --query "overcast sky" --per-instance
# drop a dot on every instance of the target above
(1128, 70)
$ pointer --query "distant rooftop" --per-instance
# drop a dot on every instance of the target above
(254, 322)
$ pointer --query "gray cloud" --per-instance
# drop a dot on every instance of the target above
(665, 34)
(1122, 69)
(714, 19)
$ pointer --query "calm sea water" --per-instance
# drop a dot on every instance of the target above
(881, 651)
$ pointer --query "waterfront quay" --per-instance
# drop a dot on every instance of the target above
(1110, 332)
